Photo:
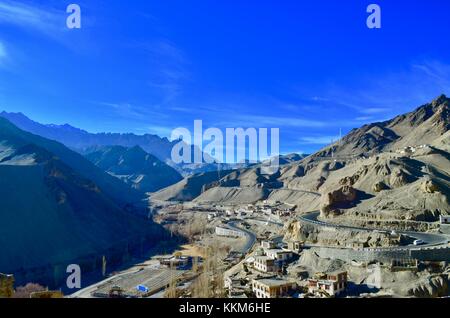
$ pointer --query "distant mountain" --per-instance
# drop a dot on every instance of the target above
(115, 189)
(57, 208)
(135, 167)
(82, 141)
(421, 126)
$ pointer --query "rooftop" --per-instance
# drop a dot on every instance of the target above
(273, 282)
(278, 250)
(263, 258)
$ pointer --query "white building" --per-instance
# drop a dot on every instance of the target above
(333, 284)
(212, 216)
(272, 287)
(225, 231)
(296, 246)
(265, 264)
(267, 211)
(174, 261)
(279, 254)
(268, 244)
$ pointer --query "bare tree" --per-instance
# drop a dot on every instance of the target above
(209, 283)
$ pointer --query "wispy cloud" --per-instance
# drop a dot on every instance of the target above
(384, 95)
(3, 54)
(318, 140)
(47, 21)
(437, 71)
(132, 111)
(161, 131)
(364, 118)
(27, 16)
(170, 68)
(275, 121)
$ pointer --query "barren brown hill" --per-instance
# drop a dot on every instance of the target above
(398, 169)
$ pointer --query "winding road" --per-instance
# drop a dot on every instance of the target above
(429, 239)
(250, 236)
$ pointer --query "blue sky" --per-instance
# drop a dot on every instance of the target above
(309, 68)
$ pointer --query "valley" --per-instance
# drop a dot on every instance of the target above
(358, 218)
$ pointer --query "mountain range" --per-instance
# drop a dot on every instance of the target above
(58, 208)
(393, 170)
(83, 142)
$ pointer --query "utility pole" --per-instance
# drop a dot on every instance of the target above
(332, 149)
(104, 266)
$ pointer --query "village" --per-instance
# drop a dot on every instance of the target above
(240, 249)
(231, 251)
(257, 263)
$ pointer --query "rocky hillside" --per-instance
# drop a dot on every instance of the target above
(191, 187)
(421, 126)
(391, 171)
(135, 167)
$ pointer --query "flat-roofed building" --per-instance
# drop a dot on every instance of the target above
(174, 261)
(268, 244)
(265, 264)
(272, 287)
(279, 254)
(225, 231)
(332, 283)
(296, 246)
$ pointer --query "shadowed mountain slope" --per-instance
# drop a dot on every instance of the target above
(53, 210)
(135, 167)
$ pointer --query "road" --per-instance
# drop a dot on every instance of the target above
(430, 239)
(250, 236)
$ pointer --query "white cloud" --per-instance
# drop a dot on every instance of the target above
(3, 54)
(132, 111)
(169, 68)
(26, 16)
(271, 122)
(364, 118)
(318, 140)
(388, 94)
